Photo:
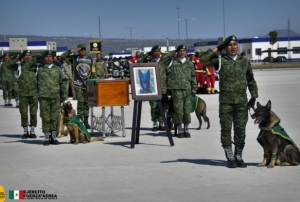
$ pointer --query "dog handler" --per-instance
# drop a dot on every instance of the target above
(51, 92)
(235, 76)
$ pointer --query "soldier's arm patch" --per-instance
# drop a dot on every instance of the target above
(93, 69)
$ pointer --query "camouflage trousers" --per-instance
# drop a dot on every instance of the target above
(155, 113)
(16, 89)
(82, 106)
(69, 84)
(7, 87)
(182, 106)
(32, 102)
(49, 112)
(237, 115)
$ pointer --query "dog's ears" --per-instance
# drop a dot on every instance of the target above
(268, 106)
(258, 104)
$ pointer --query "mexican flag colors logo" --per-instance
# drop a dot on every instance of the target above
(16, 194)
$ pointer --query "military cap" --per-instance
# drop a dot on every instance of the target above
(198, 51)
(45, 53)
(180, 47)
(154, 48)
(26, 51)
(5, 54)
(81, 46)
(228, 39)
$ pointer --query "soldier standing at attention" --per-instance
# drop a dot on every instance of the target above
(235, 76)
(101, 69)
(26, 72)
(182, 83)
(51, 92)
(7, 75)
(83, 69)
(155, 56)
(67, 71)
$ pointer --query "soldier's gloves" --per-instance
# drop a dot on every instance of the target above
(251, 103)
(193, 94)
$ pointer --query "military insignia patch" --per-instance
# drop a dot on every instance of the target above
(84, 70)
(233, 38)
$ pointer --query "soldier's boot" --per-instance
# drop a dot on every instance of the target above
(5, 102)
(180, 131)
(32, 132)
(238, 151)
(230, 157)
(9, 103)
(54, 141)
(161, 126)
(25, 134)
(47, 139)
(86, 123)
(186, 131)
(17, 103)
(155, 126)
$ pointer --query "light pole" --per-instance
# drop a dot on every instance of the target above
(223, 20)
(178, 19)
(130, 31)
(186, 26)
(99, 27)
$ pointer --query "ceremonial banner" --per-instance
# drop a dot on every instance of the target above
(95, 46)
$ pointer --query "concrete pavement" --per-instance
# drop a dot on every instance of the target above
(193, 170)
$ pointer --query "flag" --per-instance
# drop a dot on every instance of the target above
(16, 194)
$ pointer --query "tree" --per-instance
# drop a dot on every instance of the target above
(273, 37)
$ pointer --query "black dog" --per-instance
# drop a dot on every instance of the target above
(145, 82)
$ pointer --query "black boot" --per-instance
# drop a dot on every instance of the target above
(161, 126)
(155, 126)
(186, 131)
(180, 131)
(25, 134)
(47, 139)
(86, 123)
(230, 157)
(238, 150)
(53, 140)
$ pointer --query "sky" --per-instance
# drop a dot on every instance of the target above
(152, 19)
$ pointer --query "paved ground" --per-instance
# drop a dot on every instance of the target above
(192, 170)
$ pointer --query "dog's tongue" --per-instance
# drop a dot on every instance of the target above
(255, 121)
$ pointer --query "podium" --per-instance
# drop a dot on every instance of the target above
(108, 93)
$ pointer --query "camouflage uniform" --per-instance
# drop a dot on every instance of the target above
(8, 77)
(50, 87)
(67, 72)
(182, 83)
(155, 113)
(101, 69)
(27, 88)
(235, 77)
(80, 91)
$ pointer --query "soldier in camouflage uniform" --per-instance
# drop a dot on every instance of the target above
(51, 92)
(235, 76)
(101, 69)
(1, 61)
(83, 69)
(182, 84)
(7, 77)
(26, 70)
(67, 71)
(155, 56)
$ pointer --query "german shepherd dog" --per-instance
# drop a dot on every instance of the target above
(145, 81)
(61, 128)
(76, 135)
(200, 112)
(278, 148)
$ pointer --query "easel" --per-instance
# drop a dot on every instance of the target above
(136, 123)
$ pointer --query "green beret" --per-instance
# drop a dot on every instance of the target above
(228, 39)
(198, 51)
(26, 51)
(5, 54)
(154, 48)
(45, 53)
(81, 46)
(180, 47)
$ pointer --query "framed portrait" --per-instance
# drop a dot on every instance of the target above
(145, 81)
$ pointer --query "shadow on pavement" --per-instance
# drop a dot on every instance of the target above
(209, 162)
(12, 135)
(128, 144)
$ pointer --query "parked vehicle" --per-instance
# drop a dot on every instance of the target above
(268, 59)
(280, 59)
